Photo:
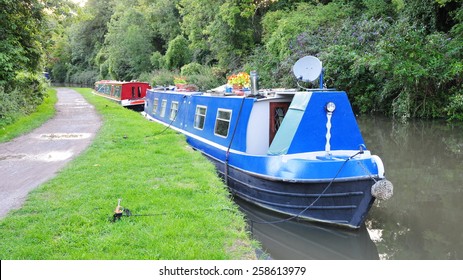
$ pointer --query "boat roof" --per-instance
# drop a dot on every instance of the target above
(277, 93)
(114, 82)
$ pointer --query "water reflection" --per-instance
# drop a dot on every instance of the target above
(424, 160)
(306, 241)
(423, 220)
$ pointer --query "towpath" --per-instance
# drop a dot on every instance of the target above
(34, 158)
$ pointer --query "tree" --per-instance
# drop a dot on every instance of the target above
(232, 33)
(399, 57)
(20, 39)
(163, 18)
(21, 51)
(196, 18)
(128, 44)
(78, 45)
(178, 53)
(60, 57)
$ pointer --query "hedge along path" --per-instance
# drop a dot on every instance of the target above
(34, 158)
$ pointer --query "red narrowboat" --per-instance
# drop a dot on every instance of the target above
(128, 94)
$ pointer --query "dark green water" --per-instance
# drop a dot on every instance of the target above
(424, 218)
(424, 160)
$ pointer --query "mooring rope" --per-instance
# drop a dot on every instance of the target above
(171, 122)
(227, 153)
(125, 212)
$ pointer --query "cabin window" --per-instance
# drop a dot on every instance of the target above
(139, 92)
(163, 108)
(173, 110)
(133, 92)
(278, 117)
(222, 122)
(200, 117)
(277, 114)
(155, 106)
(117, 91)
(107, 89)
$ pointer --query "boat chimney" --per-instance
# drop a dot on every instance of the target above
(254, 82)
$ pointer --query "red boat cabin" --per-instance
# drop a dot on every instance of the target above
(128, 94)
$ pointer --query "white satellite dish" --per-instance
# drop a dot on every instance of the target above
(307, 69)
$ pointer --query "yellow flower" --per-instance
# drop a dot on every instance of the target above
(241, 79)
(179, 80)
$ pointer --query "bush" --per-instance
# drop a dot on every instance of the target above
(385, 65)
(85, 77)
(412, 65)
(26, 92)
(306, 18)
(9, 106)
(191, 69)
(157, 60)
(178, 53)
(31, 88)
(104, 70)
(266, 66)
(58, 72)
(162, 77)
(206, 80)
(455, 108)
(144, 77)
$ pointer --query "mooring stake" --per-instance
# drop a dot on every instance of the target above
(118, 211)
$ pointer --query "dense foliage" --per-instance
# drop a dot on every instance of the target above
(402, 58)
(21, 88)
(27, 42)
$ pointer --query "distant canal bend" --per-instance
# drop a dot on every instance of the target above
(423, 220)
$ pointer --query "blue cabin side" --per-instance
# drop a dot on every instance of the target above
(161, 105)
(182, 110)
(238, 108)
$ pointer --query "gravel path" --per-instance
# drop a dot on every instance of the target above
(34, 158)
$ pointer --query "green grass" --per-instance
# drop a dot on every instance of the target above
(191, 213)
(24, 124)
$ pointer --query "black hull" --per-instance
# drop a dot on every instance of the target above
(338, 203)
(136, 108)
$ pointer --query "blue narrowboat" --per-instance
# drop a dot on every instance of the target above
(298, 153)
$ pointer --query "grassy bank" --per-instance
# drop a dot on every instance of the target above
(24, 124)
(186, 211)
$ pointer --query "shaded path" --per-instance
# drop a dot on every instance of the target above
(34, 158)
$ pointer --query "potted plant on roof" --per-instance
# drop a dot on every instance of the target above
(239, 81)
(182, 85)
(180, 82)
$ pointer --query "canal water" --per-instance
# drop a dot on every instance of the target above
(423, 220)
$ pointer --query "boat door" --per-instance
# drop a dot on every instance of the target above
(277, 113)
